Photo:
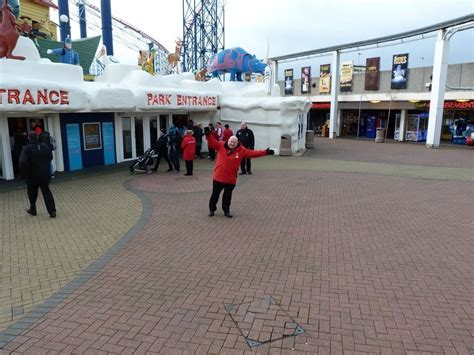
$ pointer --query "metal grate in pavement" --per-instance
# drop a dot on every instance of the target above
(262, 321)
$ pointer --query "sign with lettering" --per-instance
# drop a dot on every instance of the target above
(288, 81)
(372, 73)
(171, 100)
(449, 105)
(27, 97)
(399, 71)
(324, 78)
(346, 76)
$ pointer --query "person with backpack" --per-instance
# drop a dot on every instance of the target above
(46, 138)
(174, 144)
(35, 159)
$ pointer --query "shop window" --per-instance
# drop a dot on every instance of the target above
(139, 144)
(127, 137)
(153, 129)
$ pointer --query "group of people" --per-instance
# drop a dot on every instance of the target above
(189, 140)
(186, 139)
(232, 151)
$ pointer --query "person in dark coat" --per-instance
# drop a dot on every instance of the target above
(35, 158)
(198, 134)
(229, 156)
(161, 148)
(212, 152)
(174, 146)
(247, 139)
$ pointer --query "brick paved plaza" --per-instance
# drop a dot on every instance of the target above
(353, 248)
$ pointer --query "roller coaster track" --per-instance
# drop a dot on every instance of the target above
(125, 24)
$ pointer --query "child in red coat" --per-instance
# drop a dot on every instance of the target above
(229, 156)
(188, 145)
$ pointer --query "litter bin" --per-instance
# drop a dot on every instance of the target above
(310, 139)
(380, 135)
(285, 145)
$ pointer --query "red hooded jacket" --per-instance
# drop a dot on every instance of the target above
(228, 160)
(188, 145)
(227, 134)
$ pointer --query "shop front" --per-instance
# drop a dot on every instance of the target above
(136, 132)
(318, 118)
(458, 120)
(14, 128)
(364, 123)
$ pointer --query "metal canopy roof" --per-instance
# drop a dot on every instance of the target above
(420, 31)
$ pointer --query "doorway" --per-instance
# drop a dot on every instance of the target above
(18, 128)
(132, 137)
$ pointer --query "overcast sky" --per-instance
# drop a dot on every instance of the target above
(292, 26)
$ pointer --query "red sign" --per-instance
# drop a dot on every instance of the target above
(449, 105)
(321, 105)
(34, 97)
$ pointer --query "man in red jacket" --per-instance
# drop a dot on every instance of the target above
(229, 156)
(227, 132)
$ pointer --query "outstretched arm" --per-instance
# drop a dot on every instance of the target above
(57, 51)
(211, 141)
(257, 153)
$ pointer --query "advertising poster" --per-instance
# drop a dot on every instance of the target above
(346, 76)
(305, 80)
(372, 73)
(325, 78)
(91, 134)
(288, 81)
(399, 71)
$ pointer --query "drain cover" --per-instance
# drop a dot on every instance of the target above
(262, 321)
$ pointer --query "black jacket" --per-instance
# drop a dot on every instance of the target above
(161, 145)
(246, 138)
(197, 133)
(34, 162)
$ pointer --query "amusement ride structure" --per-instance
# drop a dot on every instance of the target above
(203, 32)
(203, 35)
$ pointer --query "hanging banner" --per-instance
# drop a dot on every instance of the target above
(399, 71)
(346, 76)
(325, 78)
(305, 80)
(372, 73)
(288, 81)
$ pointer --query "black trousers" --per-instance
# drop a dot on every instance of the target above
(217, 187)
(245, 166)
(32, 190)
(174, 157)
(198, 150)
(164, 155)
(189, 167)
(212, 154)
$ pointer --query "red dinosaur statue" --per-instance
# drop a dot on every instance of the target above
(8, 34)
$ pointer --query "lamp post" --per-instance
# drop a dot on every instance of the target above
(65, 27)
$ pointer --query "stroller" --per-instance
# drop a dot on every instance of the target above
(143, 163)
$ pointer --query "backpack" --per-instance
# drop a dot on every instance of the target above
(46, 138)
